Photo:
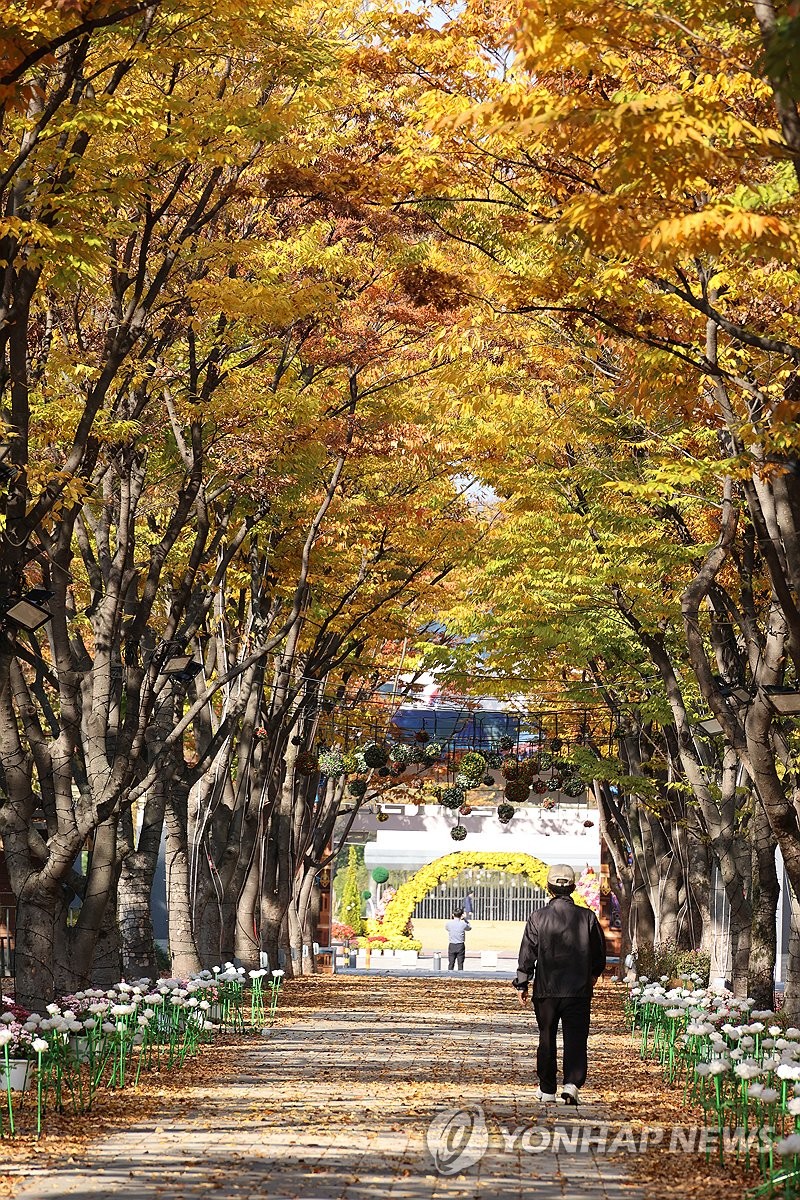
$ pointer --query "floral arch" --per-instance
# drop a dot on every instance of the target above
(408, 895)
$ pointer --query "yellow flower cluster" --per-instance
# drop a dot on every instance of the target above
(401, 906)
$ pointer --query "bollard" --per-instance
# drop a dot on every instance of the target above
(437, 960)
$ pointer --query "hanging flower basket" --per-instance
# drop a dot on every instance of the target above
(548, 804)
(432, 752)
(506, 742)
(517, 790)
(464, 781)
(382, 816)
(397, 769)
(574, 787)
(400, 754)
(357, 787)
(540, 787)
(422, 736)
(545, 760)
(488, 781)
(458, 833)
(510, 768)
(375, 755)
(384, 772)
(527, 770)
(465, 810)
(494, 760)
(307, 763)
(331, 763)
(588, 824)
(504, 813)
(453, 797)
(556, 744)
(473, 765)
(554, 784)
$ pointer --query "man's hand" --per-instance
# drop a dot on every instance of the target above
(523, 997)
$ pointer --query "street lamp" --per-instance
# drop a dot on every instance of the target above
(784, 700)
(28, 611)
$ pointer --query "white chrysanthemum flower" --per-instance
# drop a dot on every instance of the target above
(748, 1070)
(788, 1145)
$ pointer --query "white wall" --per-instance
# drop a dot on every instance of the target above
(417, 834)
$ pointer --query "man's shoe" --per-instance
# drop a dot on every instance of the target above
(545, 1097)
(569, 1094)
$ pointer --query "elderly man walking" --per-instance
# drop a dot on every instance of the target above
(564, 952)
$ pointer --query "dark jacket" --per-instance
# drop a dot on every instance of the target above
(563, 950)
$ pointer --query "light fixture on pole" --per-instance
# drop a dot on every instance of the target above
(784, 700)
(733, 691)
(709, 725)
(181, 667)
(29, 610)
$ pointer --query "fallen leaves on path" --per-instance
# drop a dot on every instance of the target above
(339, 1095)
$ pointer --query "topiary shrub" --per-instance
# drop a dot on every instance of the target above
(357, 787)
(504, 813)
(380, 875)
(458, 833)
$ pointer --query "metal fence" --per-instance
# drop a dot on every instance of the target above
(6, 942)
(490, 902)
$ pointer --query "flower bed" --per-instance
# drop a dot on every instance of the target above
(741, 1066)
(98, 1038)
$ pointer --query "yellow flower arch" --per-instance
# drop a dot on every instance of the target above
(408, 895)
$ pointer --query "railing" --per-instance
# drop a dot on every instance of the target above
(512, 902)
(6, 942)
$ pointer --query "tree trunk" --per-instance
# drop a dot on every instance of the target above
(764, 902)
(246, 945)
(96, 917)
(791, 995)
(185, 959)
(35, 950)
(135, 887)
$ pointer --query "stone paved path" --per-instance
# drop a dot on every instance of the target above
(336, 1106)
